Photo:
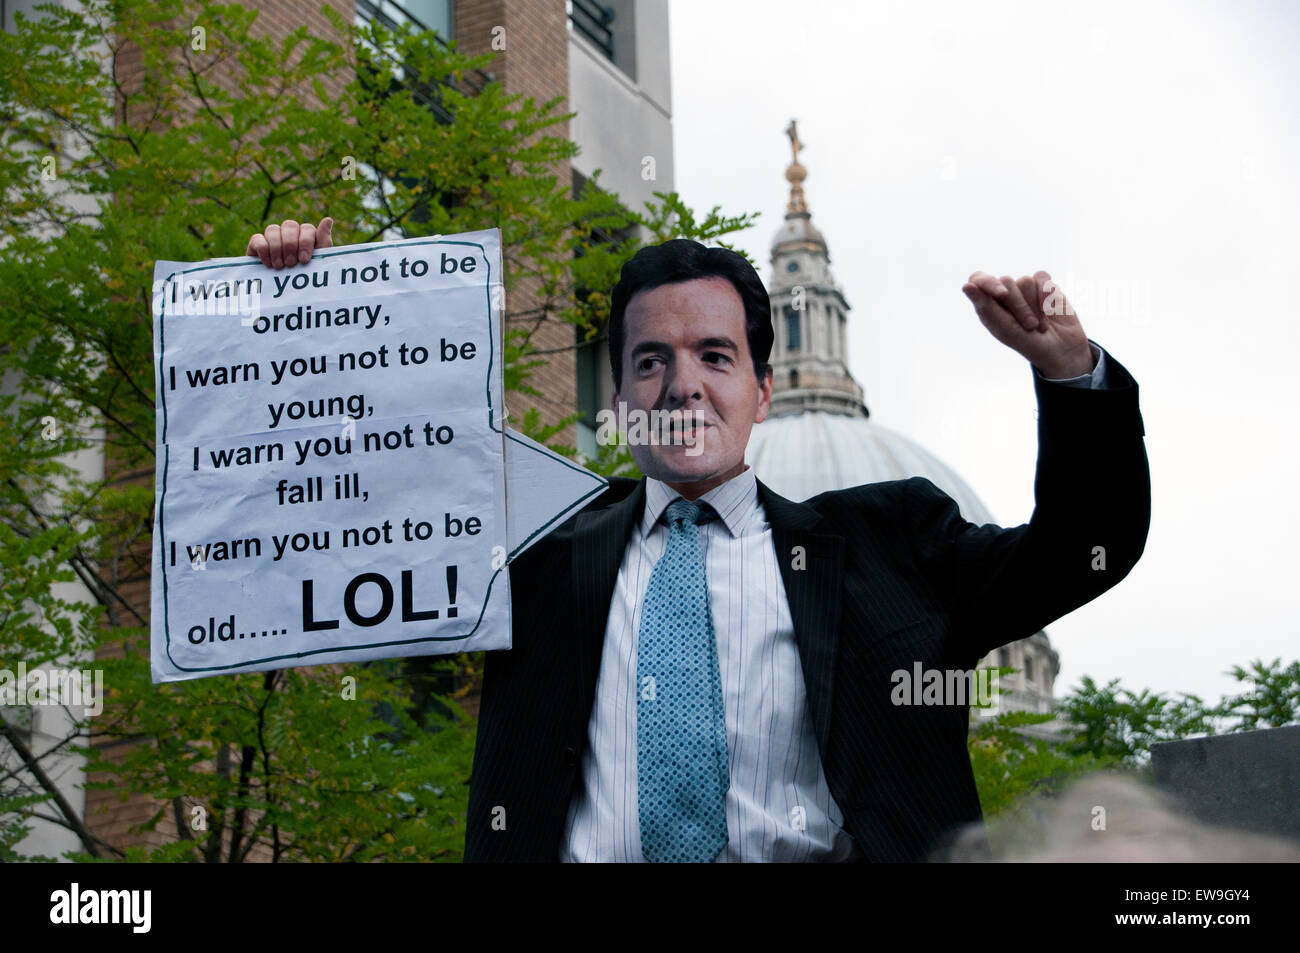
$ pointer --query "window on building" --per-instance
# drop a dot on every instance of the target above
(1029, 669)
(794, 378)
(433, 15)
(595, 386)
(608, 28)
(595, 22)
(792, 329)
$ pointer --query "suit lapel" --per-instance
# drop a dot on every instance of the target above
(599, 540)
(812, 568)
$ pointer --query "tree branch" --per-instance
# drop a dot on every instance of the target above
(32, 763)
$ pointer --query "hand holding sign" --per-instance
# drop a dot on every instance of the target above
(282, 245)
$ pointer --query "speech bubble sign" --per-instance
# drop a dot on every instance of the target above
(331, 464)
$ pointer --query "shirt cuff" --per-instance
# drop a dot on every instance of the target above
(1094, 381)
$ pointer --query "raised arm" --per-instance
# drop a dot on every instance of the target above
(1092, 488)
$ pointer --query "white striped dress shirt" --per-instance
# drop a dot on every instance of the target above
(778, 806)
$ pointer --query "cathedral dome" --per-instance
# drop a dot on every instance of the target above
(819, 435)
(801, 455)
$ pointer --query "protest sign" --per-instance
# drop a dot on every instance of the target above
(332, 459)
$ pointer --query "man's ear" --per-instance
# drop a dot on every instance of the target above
(764, 395)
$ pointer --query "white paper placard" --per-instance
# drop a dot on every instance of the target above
(331, 477)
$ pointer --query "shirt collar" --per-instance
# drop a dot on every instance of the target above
(733, 500)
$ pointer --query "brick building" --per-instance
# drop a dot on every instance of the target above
(610, 63)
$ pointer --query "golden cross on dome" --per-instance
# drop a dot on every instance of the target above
(795, 144)
(795, 174)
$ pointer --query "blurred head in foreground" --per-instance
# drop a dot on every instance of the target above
(1111, 819)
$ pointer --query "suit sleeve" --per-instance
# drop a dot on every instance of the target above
(1092, 511)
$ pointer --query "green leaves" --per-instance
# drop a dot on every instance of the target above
(1274, 698)
(1113, 722)
(138, 130)
(1107, 727)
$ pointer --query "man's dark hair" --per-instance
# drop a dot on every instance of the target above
(681, 259)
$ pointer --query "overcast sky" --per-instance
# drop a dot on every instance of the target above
(1144, 153)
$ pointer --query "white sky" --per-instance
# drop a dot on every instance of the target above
(1144, 153)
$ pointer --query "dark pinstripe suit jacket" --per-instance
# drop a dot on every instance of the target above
(891, 575)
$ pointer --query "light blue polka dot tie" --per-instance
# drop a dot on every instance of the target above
(681, 734)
